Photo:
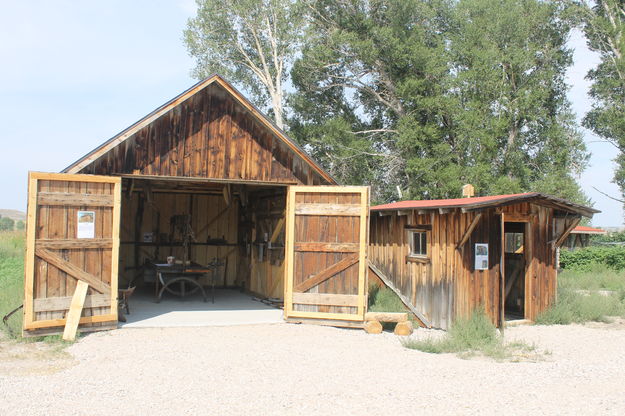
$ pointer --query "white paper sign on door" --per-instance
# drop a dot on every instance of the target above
(86, 224)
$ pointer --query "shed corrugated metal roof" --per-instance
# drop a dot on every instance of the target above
(480, 202)
(443, 203)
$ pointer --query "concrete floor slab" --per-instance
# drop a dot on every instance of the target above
(231, 307)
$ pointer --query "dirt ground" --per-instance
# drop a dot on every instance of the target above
(310, 370)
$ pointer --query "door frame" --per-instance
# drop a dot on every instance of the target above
(290, 252)
(526, 220)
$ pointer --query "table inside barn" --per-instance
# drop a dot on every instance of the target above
(168, 276)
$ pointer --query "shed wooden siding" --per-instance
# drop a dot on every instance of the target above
(209, 135)
(447, 286)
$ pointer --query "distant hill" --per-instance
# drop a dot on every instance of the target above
(13, 214)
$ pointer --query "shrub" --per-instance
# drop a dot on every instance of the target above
(468, 336)
(586, 258)
(574, 306)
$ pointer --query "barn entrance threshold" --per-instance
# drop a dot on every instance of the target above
(231, 307)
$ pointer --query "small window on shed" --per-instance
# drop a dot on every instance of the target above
(514, 242)
(418, 243)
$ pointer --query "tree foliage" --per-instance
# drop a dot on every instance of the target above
(429, 95)
(420, 95)
(604, 27)
(252, 42)
(7, 224)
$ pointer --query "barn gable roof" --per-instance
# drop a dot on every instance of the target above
(84, 162)
(481, 202)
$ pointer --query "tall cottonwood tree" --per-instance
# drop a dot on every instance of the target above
(428, 95)
(604, 27)
(369, 72)
(251, 42)
(513, 123)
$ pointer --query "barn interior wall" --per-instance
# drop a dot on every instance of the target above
(231, 231)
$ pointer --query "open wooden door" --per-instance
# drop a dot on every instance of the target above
(326, 248)
(72, 234)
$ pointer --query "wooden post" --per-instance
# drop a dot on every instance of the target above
(75, 310)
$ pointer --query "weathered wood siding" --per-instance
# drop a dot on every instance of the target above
(447, 286)
(209, 135)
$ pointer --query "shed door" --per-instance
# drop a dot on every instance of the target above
(326, 243)
(72, 234)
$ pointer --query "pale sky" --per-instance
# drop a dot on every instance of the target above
(75, 73)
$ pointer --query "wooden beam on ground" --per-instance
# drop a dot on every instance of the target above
(467, 233)
(75, 310)
(386, 316)
(326, 273)
(426, 323)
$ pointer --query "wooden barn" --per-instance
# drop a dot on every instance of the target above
(208, 180)
(448, 257)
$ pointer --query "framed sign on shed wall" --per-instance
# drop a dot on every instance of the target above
(481, 256)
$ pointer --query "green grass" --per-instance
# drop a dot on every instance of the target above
(11, 277)
(472, 336)
(382, 299)
(579, 299)
(597, 277)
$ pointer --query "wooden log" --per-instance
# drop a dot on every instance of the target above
(75, 310)
(373, 327)
(403, 328)
(386, 316)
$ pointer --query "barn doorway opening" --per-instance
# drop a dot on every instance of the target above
(515, 267)
(223, 240)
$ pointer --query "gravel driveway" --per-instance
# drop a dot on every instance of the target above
(310, 370)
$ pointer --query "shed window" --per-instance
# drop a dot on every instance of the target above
(418, 243)
(514, 242)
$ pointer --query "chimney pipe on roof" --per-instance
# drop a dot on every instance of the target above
(468, 191)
